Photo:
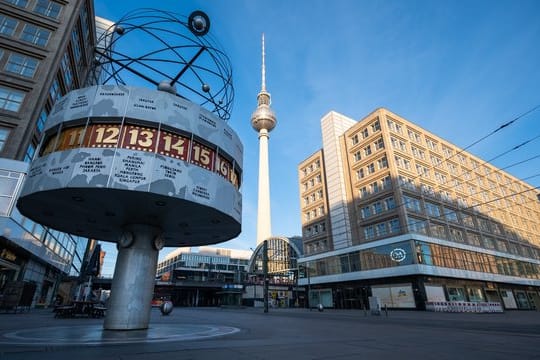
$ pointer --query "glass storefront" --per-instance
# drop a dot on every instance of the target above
(475, 294)
(400, 254)
(449, 257)
(385, 256)
(456, 294)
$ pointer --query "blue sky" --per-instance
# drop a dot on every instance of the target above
(457, 68)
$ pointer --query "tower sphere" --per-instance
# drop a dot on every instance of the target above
(263, 118)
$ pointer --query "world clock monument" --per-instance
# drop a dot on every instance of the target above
(143, 166)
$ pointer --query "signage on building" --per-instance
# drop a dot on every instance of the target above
(398, 254)
(233, 286)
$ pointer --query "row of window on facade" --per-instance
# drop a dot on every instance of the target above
(315, 229)
(364, 133)
(311, 167)
(369, 169)
(441, 212)
(313, 197)
(413, 135)
(390, 227)
(460, 184)
(478, 198)
(313, 247)
(445, 256)
(368, 150)
(419, 152)
(506, 209)
(377, 186)
(202, 261)
(59, 243)
(424, 253)
(312, 182)
(473, 238)
(30, 33)
(441, 230)
(491, 176)
(26, 66)
(314, 213)
(46, 8)
(377, 207)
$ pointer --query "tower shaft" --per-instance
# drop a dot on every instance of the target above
(263, 120)
(264, 230)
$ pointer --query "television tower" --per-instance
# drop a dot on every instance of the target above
(263, 120)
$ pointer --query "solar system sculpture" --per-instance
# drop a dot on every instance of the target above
(145, 167)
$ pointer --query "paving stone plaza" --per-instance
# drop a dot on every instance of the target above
(217, 333)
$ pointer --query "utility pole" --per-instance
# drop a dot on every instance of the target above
(265, 275)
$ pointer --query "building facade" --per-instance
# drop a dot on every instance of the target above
(46, 50)
(393, 211)
(279, 267)
(201, 277)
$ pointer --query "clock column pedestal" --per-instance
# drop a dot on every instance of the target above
(132, 288)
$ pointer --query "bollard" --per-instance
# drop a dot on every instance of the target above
(166, 307)
(386, 310)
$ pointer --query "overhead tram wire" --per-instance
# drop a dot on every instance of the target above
(479, 192)
(441, 217)
(443, 214)
(509, 151)
(440, 185)
(473, 206)
(501, 127)
(521, 162)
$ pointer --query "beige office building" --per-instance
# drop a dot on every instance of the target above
(391, 210)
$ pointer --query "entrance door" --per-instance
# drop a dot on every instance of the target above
(352, 298)
(522, 301)
(534, 300)
(493, 296)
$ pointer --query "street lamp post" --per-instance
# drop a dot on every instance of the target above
(265, 275)
(295, 268)
(308, 287)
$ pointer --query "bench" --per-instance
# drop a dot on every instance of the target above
(98, 311)
(64, 311)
